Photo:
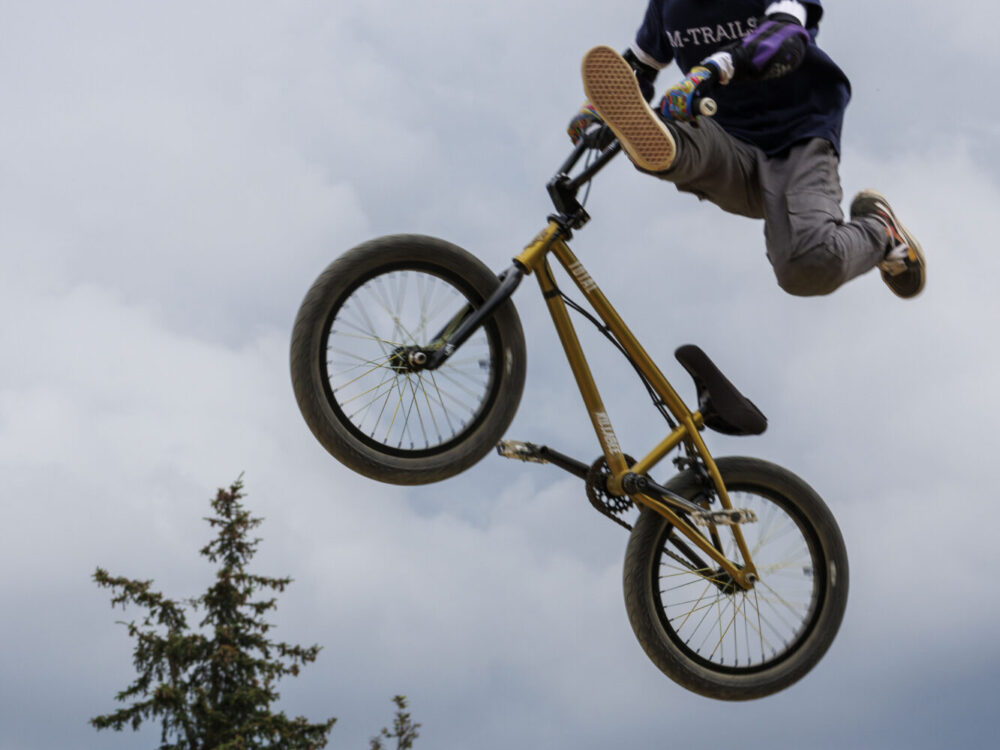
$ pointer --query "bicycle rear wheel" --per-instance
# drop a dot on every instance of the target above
(352, 371)
(705, 632)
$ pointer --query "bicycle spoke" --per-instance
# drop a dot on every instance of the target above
(762, 618)
(394, 316)
(383, 397)
(383, 343)
(723, 632)
(780, 600)
(709, 632)
(453, 397)
(446, 374)
(406, 431)
(388, 380)
(447, 414)
(361, 362)
(372, 383)
(430, 406)
(415, 404)
(456, 369)
(724, 624)
(732, 621)
(453, 299)
(355, 380)
(371, 326)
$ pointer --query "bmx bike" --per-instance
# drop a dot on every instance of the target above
(408, 364)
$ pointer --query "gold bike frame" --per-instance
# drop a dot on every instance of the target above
(534, 260)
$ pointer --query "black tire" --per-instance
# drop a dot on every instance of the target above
(386, 421)
(783, 626)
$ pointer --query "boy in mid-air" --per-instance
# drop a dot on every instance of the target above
(772, 150)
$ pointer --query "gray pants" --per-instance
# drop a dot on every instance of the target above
(797, 194)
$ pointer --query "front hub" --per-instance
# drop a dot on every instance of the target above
(407, 359)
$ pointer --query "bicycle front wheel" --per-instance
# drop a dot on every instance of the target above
(353, 379)
(708, 634)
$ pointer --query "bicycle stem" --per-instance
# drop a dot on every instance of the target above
(563, 189)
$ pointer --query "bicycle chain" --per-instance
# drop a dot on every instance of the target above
(607, 504)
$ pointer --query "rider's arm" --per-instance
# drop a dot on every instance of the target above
(651, 46)
(650, 52)
(814, 12)
(774, 48)
(644, 72)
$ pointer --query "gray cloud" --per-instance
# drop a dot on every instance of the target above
(175, 176)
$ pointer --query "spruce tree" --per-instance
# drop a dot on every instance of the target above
(404, 731)
(213, 687)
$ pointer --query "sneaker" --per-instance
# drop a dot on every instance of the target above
(611, 86)
(903, 268)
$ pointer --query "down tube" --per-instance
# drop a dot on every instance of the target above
(581, 371)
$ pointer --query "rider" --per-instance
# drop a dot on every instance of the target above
(771, 152)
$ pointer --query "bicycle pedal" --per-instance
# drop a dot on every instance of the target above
(725, 517)
(520, 451)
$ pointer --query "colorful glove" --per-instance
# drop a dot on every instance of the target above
(776, 47)
(678, 101)
(584, 120)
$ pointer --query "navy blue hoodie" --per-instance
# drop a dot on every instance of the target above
(773, 114)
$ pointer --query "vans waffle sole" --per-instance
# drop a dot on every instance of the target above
(611, 86)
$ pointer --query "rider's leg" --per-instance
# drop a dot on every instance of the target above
(716, 167)
(813, 251)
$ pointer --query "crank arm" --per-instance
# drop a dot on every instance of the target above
(635, 484)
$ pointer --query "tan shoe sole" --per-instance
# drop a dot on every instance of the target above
(611, 86)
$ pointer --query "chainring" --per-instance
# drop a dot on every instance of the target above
(607, 504)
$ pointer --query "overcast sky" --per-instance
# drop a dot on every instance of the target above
(173, 176)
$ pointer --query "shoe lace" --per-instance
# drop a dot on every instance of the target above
(896, 260)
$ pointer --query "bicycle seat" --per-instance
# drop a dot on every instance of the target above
(724, 408)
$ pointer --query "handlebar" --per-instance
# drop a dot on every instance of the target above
(706, 106)
(563, 189)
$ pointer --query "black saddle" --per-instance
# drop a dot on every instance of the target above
(724, 408)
